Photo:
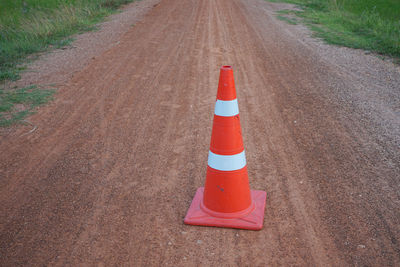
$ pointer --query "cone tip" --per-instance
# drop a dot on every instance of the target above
(226, 67)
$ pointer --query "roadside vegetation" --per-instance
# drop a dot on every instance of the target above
(16, 104)
(31, 26)
(372, 25)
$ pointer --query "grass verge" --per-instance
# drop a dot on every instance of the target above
(31, 26)
(364, 24)
(16, 104)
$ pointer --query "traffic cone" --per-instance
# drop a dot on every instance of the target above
(226, 200)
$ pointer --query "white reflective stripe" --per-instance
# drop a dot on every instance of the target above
(226, 108)
(226, 162)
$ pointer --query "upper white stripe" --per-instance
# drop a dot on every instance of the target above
(227, 162)
(226, 108)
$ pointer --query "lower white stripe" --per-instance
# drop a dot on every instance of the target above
(227, 162)
(226, 108)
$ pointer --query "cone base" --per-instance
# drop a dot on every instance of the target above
(251, 221)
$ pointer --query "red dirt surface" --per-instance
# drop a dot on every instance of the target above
(109, 174)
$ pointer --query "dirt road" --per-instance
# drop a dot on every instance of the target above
(109, 174)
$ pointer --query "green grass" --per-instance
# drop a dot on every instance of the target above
(289, 20)
(365, 24)
(31, 26)
(16, 104)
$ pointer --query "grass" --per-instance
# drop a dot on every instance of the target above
(288, 20)
(31, 26)
(16, 104)
(364, 24)
(286, 15)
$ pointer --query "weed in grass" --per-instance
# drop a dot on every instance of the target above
(285, 11)
(16, 104)
(9, 73)
(288, 20)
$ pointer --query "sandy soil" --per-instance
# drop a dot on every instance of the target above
(109, 174)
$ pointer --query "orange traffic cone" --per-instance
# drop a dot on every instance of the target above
(226, 200)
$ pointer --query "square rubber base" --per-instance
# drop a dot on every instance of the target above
(252, 221)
